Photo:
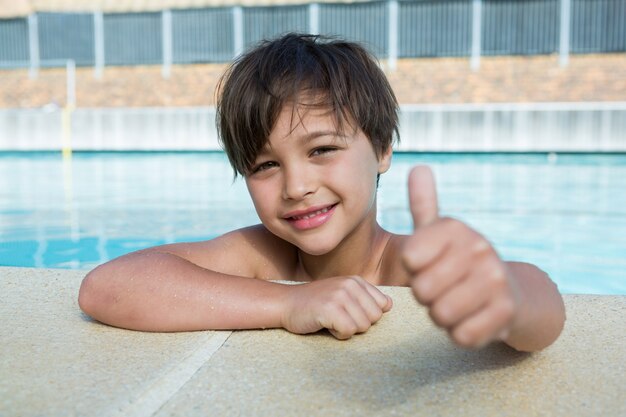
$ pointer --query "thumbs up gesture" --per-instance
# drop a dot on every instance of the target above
(455, 272)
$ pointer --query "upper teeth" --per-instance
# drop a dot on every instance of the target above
(313, 214)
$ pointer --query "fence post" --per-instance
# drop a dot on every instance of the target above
(392, 59)
(565, 29)
(314, 19)
(166, 38)
(70, 105)
(98, 29)
(476, 34)
(238, 29)
(33, 45)
(70, 70)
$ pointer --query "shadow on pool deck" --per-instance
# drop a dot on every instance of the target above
(57, 362)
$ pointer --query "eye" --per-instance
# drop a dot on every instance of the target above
(323, 150)
(264, 166)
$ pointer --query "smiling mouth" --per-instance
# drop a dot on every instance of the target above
(311, 214)
(306, 220)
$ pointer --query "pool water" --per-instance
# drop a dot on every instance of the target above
(564, 213)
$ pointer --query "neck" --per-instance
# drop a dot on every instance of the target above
(360, 253)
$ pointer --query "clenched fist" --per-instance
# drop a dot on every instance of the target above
(343, 305)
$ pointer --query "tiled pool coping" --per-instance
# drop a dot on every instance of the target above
(55, 361)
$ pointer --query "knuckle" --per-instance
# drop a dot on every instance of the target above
(496, 276)
(354, 279)
(480, 246)
(352, 283)
(374, 316)
(340, 296)
(381, 303)
(453, 225)
(448, 221)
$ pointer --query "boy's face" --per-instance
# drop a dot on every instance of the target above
(312, 185)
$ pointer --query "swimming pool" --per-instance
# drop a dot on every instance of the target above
(565, 213)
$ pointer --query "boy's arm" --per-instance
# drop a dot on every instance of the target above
(159, 291)
(171, 288)
(468, 289)
(541, 316)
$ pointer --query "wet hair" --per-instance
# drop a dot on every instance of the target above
(302, 70)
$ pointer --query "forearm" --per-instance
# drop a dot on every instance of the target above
(155, 291)
(542, 313)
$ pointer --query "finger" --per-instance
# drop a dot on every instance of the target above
(462, 300)
(441, 254)
(373, 302)
(423, 196)
(427, 245)
(339, 322)
(359, 316)
(484, 326)
(389, 304)
(443, 273)
(382, 300)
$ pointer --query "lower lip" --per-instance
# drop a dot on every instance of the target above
(312, 222)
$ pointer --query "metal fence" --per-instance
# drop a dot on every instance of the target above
(521, 28)
(202, 35)
(435, 28)
(392, 29)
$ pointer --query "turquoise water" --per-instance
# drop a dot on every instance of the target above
(565, 213)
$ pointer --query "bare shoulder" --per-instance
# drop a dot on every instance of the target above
(250, 252)
(392, 271)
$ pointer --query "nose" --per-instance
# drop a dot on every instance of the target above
(298, 183)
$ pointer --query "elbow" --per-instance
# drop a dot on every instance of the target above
(92, 295)
(554, 316)
(87, 295)
(543, 317)
(103, 296)
(560, 315)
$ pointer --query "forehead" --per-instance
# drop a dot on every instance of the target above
(303, 119)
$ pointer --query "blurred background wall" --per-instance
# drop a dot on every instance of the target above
(489, 59)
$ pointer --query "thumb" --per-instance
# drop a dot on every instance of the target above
(423, 196)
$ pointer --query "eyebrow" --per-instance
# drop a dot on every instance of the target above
(319, 133)
(307, 138)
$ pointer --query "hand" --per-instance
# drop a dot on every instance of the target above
(343, 305)
(455, 271)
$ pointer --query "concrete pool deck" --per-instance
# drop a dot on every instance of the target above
(56, 361)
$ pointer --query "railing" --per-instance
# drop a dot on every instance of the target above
(392, 29)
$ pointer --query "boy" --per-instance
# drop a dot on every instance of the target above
(309, 124)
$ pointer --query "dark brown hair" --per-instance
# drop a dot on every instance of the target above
(343, 75)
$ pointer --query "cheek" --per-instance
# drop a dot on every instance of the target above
(256, 194)
(360, 173)
(262, 197)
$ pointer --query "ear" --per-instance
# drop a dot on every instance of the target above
(384, 161)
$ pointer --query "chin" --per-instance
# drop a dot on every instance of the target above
(312, 245)
(315, 249)
(314, 252)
